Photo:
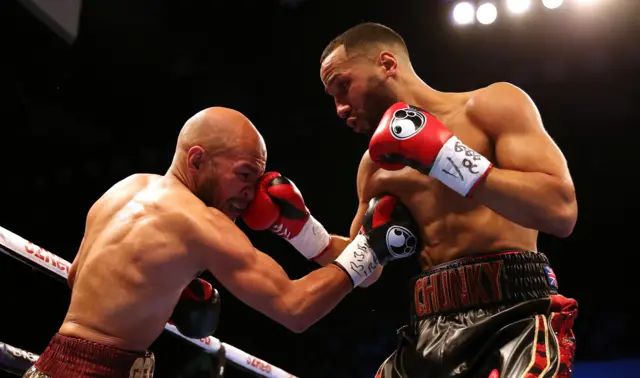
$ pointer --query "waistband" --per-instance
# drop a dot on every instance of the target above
(72, 357)
(482, 282)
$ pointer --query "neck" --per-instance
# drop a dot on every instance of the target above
(179, 173)
(416, 92)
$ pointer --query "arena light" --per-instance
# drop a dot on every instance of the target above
(518, 6)
(487, 13)
(552, 4)
(463, 13)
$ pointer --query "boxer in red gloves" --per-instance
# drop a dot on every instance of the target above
(389, 231)
(148, 236)
(482, 177)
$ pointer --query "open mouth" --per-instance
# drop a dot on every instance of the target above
(237, 208)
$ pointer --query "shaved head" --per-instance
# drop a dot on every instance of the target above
(220, 155)
(220, 130)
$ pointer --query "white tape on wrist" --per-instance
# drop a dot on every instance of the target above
(458, 166)
(312, 239)
(358, 260)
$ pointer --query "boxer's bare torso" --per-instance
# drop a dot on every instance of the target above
(133, 262)
(149, 236)
(452, 226)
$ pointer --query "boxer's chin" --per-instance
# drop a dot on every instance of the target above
(376, 104)
(231, 211)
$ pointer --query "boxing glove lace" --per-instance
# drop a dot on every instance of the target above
(409, 136)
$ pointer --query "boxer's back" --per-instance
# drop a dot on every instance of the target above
(453, 226)
(133, 263)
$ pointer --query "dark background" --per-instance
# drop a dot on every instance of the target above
(77, 118)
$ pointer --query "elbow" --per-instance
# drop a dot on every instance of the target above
(297, 321)
(297, 326)
(295, 317)
(564, 216)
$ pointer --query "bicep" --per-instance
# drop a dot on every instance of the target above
(530, 151)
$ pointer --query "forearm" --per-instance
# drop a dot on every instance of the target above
(338, 244)
(316, 294)
(533, 200)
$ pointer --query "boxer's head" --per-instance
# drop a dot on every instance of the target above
(220, 156)
(361, 69)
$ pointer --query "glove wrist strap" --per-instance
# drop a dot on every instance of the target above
(358, 260)
(312, 239)
(459, 167)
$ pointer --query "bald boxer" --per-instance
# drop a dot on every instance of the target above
(482, 177)
(147, 238)
(480, 189)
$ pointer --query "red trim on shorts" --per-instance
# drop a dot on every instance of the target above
(72, 357)
(564, 312)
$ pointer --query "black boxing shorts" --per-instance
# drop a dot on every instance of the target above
(491, 316)
(72, 357)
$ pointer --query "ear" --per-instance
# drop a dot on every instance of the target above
(195, 157)
(388, 62)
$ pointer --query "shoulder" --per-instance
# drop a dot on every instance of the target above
(501, 91)
(139, 178)
(501, 105)
(133, 182)
(214, 232)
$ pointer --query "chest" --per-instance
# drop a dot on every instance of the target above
(409, 184)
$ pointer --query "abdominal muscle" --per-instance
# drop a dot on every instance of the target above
(451, 226)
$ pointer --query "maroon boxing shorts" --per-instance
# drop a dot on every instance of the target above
(491, 316)
(71, 357)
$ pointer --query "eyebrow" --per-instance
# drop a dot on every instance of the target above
(249, 167)
(330, 81)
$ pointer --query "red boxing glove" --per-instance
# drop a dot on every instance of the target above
(279, 205)
(409, 136)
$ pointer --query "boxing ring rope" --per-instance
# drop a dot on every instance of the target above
(31, 254)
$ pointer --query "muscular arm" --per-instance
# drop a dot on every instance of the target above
(531, 184)
(258, 281)
(339, 243)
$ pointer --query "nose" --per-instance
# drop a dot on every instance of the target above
(343, 110)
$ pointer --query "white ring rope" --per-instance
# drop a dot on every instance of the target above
(15, 360)
(29, 253)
